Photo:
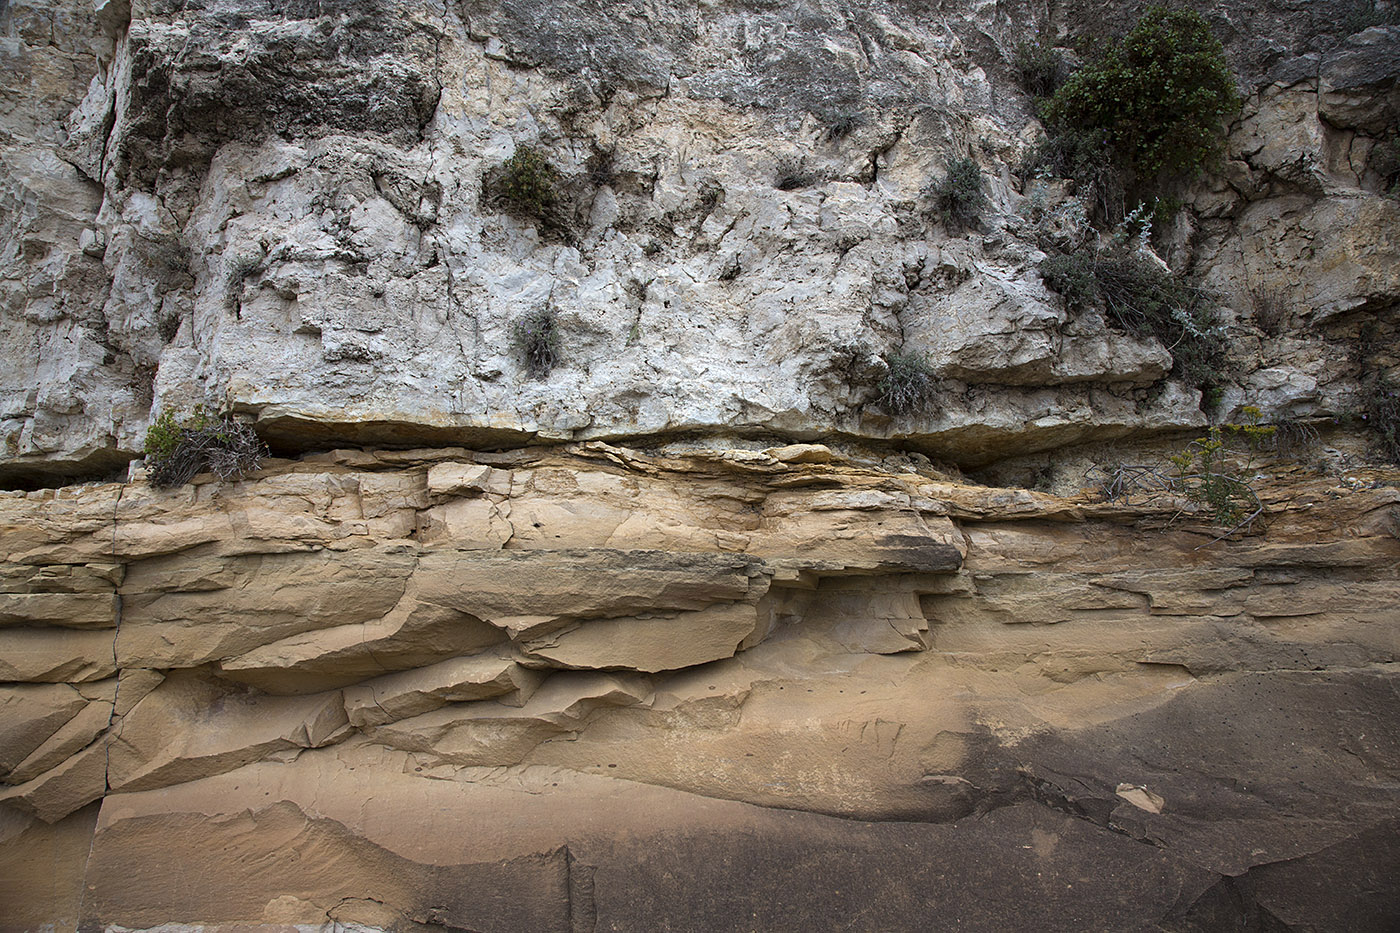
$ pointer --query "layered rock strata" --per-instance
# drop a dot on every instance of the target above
(731, 653)
(593, 688)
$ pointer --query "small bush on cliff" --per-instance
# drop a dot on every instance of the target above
(535, 338)
(1381, 413)
(843, 123)
(1160, 94)
(1144, 115)
(1214, 474)
(909, 383)
(793, 174)
(1085, 157)
(1215, 471)
(1293, 437)
(1041, 68)
(529, 183)
(176, 451)
(1146, 300)
(958, 197)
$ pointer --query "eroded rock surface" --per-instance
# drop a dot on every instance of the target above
(291, 211)
(682, 665)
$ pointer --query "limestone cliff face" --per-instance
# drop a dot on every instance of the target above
(286, 209)
(691, 634)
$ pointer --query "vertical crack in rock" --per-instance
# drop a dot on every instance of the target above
(583, 911)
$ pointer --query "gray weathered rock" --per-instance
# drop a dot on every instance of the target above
(291, 213)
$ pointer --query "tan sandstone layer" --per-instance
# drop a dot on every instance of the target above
(595, 688)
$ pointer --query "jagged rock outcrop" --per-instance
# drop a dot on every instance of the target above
(289, 210)
(301, 689)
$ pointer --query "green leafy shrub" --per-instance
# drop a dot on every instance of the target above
(1159, 95)
(178, 450)
(909, 383)
(1216, 470)
(1074, 276)
(1146, 300)
(1207, 477)
(529, 183)
(535, 338)
(163, 436)
(958, 197)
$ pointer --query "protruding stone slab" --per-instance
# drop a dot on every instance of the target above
(585, 583)
(651, 643)
(413, 634)
(490, 733)
(458, 479)
(801, 453)
(29, 715)
(71, 785)
(855, 529)
(399, 696)
(1359, 81)
(187, 609)
(60, 578)
(74, 735)
(52, 655)
(64, 610)
(192, 726)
